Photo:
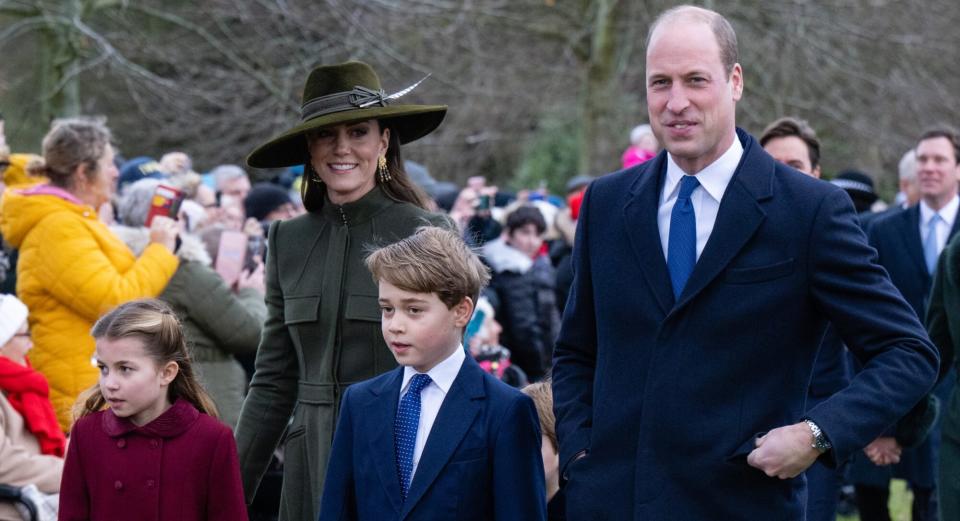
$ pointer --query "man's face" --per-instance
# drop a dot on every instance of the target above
(691, 98)
(237, 187)
(937, 171)
(793, 152)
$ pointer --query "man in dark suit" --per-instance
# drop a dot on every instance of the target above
(704, 281)
(909, 243)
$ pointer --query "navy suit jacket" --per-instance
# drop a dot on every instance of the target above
(481, 462)
(668, 396)
(900, 250)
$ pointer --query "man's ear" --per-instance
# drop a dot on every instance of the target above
(463, 312)
(169, 372)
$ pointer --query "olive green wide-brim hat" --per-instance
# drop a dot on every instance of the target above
(345, 93)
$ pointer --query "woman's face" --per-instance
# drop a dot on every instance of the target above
(345, 157)
(99, 188)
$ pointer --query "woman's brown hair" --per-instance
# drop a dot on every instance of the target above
(400, 188)
(72, 143)
(153, 323)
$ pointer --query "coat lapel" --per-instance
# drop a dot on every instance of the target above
(640, 218)
(382, 412)
(458, 412)
(739, 217)
(909, 233)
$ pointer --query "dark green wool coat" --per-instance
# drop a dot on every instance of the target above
(322, 334)
(943, 324)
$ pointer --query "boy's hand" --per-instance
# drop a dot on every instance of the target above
(784, 452)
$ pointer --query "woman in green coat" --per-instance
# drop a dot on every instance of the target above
(322, 331)
(943, 324)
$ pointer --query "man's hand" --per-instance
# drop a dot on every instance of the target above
(883, 451)
(784, 452)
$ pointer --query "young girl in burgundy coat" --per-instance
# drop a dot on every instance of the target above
(157, 453)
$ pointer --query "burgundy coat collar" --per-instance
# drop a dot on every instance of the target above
(173, 422)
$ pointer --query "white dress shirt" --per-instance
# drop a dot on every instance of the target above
(431, 397)
(948, 214)
(705, 198)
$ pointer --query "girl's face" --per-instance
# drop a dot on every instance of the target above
(131, 381)
(345, 157)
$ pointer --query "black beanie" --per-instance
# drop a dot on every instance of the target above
(263, 199)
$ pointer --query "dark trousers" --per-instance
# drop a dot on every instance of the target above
(872, 502)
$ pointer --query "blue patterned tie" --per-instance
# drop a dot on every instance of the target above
(682, 244)
(405, 430)
(930, 250)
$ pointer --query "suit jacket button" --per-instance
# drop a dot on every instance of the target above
(118, 485)
(121, 444)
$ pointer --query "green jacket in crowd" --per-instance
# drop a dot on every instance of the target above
(322, 334)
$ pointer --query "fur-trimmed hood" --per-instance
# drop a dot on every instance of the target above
(191, 247)
(503, 257)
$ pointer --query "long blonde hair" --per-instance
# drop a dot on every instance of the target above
(153, 323)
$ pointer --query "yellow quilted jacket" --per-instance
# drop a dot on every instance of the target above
(72, 269)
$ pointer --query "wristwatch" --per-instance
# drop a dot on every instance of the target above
(820, 441)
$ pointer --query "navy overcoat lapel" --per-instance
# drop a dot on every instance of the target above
(458, 412)
(382, 412)
(909, 233)
(640, 218)
(739, 217)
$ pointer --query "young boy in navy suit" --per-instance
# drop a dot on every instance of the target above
(437, 438)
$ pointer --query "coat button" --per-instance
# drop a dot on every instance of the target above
(154, 444)
(118, 485)
(150, 483)
(121, 444)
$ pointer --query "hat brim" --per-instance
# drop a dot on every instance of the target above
(412, 122)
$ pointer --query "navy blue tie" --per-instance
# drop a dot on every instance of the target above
(405, 430)
(682, 243)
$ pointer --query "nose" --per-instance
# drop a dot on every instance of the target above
(394, 324)
(108, 381)
(678, 100)
(340, 144)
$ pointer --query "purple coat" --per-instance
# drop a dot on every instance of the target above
(182, 466)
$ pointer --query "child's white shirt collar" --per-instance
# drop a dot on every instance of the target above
(442, 375)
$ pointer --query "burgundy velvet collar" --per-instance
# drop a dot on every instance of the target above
(173, 422)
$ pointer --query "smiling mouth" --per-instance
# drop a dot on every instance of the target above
(342, 167)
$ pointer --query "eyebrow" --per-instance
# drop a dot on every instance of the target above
(405, 300)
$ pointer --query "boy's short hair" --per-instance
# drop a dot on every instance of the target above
(525, 215)
(432, 260)
(542, 395)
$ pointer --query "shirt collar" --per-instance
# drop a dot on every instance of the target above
(714, 178)
(948, 213)
(442, 374)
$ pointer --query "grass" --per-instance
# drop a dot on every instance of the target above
(900, 501)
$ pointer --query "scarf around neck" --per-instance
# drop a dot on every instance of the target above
(29, 394)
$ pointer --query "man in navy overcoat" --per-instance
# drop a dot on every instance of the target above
(698, 306)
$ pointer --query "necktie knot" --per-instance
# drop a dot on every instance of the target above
(418, 382)
(688, 184)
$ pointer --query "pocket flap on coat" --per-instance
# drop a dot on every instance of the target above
(301, 309)
(363, 307)
(759, 273)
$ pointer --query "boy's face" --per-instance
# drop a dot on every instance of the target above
(419, 328)
(526, 239)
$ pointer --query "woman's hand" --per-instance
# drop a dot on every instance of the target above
(164, 230)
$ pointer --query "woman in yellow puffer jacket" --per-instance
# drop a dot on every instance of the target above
(72, 268)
